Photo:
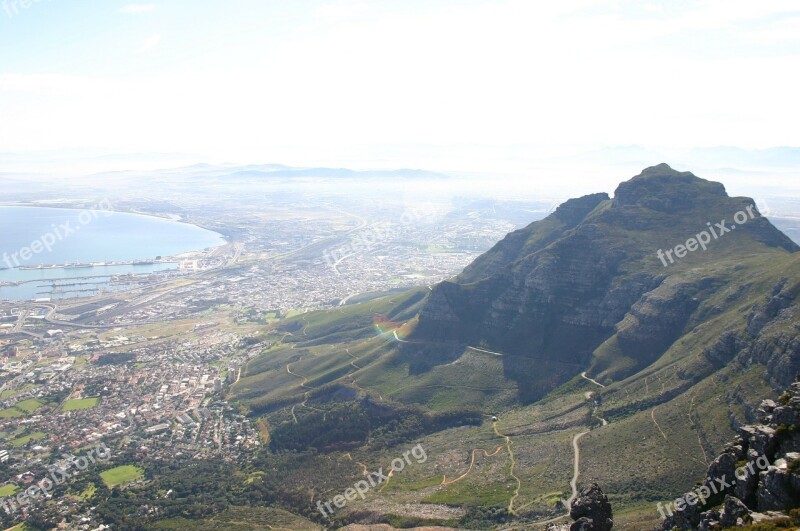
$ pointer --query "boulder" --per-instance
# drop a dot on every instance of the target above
(723, 467)
(709, 520)
(765, 411)
(689, 517)
(737, 450)
(591, 508)
(778, 490)
(582, 524)
(734, 512)
(761, 439)
(786, 415)
(745, 488)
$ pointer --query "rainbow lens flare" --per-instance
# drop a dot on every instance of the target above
(390, 329)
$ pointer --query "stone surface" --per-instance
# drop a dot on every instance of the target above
(733, 511)
(592, 505)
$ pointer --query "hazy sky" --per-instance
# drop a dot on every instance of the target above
(277, 81)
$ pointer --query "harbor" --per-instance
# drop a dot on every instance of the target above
(89, 265)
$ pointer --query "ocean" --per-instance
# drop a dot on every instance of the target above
(32, 236)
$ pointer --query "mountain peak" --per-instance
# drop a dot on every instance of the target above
(664, 189)
(573, 211)
(662, 169)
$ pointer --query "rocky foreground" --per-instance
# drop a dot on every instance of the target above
(755, 480)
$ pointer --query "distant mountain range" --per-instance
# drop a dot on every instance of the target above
(204, 172)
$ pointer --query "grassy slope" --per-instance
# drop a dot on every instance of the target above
(635, 462)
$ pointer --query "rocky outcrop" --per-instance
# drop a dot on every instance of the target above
(755, 477)
(591, 510)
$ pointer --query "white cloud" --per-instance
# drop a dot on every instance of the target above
(149, 44)
(779, 31)
(135, 9)
(341, 10)
(497, 74)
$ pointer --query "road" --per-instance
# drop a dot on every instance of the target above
(486, 351)
(583, 374)
(20, 321)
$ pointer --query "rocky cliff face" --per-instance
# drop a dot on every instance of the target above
(549, 295)
(756, 478)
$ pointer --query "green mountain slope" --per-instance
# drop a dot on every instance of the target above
(676, 358)
(595, 279)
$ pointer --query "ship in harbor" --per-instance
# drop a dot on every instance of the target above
(40, 266)
(89, 265)
(75, 265)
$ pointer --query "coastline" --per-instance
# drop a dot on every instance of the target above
(71, 205)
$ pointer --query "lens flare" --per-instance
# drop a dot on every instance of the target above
(390, 329)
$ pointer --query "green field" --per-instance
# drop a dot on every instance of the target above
(21, 409)
(30, 405)
(35, 436)
(77, 404)
(11, 392)
(8, 490)
(11, 413)
(121, 475)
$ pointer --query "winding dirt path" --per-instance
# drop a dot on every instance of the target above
(471, 464)
(506, 446)
(653, 416)
(583, 374)
(303, 383)
(306, 395)
(513, 464)
(697, 432)
(352, 363)
(576, 469)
